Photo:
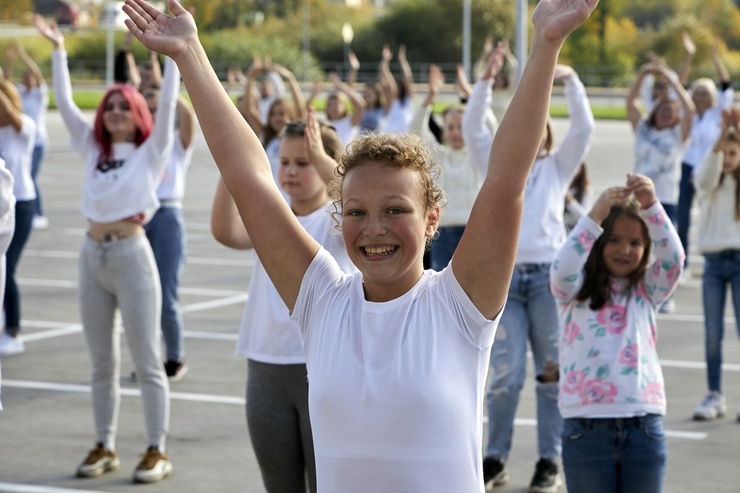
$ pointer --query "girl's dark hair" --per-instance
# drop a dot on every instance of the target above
(596, 285)
(734, 138)
(653, 116)
(271, 133)
(580, 183)
(329, 137)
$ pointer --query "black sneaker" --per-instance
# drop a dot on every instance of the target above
(494, 472)
(175, 370)
(546, 477)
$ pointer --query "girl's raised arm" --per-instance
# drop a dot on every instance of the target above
(484, 259)
(284, 247)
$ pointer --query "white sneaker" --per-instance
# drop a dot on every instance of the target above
(685, 276)
(712, 407)
(40, 222)
(667, 307)
(10, 346)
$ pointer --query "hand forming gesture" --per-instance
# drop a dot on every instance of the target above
(642, 188)
(158, 31)
(608, 198)
(554, 20)
(49, 31)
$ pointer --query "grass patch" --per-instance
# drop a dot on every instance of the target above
(89, 100)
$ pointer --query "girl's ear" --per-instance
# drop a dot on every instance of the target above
(433, 216)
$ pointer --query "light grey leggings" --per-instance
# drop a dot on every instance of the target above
(279, 426)
(122, 274)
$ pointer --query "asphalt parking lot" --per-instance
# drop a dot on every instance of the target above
(46, 427)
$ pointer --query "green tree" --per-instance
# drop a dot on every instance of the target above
(15, 10)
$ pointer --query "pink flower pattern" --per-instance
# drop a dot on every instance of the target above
(653, 393)
(597, 391)
(586, 239)
(571, 332)
(573, 382)
(613, 318)
(629, 356)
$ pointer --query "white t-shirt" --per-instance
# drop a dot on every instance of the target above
(7, 224)
(399, 116)
(345, 130)
(267, 333)
(172, 186)
(16, 148)
(35, 102)
(395, 388)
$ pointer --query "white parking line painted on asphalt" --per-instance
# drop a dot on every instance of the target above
(215, 336)
(207, 305)
(127, 392)
(32, 488)
(695, 365)
(240, 401)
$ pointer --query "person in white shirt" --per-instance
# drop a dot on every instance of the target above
(344, 121)
(7, 225)
(530, 317)
(461, 170)
(709, 102)
(717, 182)
(277, 386)
(612, 392)
(396, 356)
(17, 136)
(35, 98)
(124, 156)
(167, 234)
(398, 94)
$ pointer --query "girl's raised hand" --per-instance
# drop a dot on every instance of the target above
(49, 31)
(554, 20)
(495, 63)
(312, 138)
(642, 188)
(609, 198)
(161, 32)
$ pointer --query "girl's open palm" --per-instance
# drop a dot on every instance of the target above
(158, 31)
(556, 19)
(49, 31)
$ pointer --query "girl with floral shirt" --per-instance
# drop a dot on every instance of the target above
(612, 396)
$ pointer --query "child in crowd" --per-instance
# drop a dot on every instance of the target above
(578, 198)
(612, 395)
(717, 182)
(392, 339)
(346, 122)
(277, 385)
(7, 224)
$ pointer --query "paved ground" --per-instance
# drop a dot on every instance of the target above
(46, 427)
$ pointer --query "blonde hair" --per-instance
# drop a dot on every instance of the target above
(708, 85)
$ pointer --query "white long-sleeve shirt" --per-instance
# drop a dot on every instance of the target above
(707, 128)
(608, 358)
(7, 224)
(128, 185)
(718, 228)
(460, 177)
(542, 231)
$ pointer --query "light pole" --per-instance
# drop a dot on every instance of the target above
(109, 18)
(466, 37)
(522, 19)
(347, 35)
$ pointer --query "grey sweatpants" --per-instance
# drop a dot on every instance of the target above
(279, 426)
(121, 274)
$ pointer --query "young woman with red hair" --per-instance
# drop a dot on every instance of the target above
(125, 156)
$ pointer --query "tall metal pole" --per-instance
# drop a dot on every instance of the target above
(466, 37)
(306, 40)
(522, 26)
(109, 18)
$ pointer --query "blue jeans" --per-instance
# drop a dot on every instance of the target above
(685, 200)
(444, 246)
(12, 300)
(530, 315)
(38, 156)
(720, 269)
(613, 455)
(166, 234)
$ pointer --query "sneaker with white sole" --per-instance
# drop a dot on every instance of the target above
(175, 370)
(546, 477)
(98, 461)
(495, 472)
(10, 346)
(712, 407)
(40, 222)
(154, 465)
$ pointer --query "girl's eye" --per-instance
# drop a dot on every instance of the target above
(636, 243)
(284, 163)
(354, 213)
(302, 163)
(395, 210)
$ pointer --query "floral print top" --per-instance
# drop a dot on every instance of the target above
(609, 366)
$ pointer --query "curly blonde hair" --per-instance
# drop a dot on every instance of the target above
(405, 151)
